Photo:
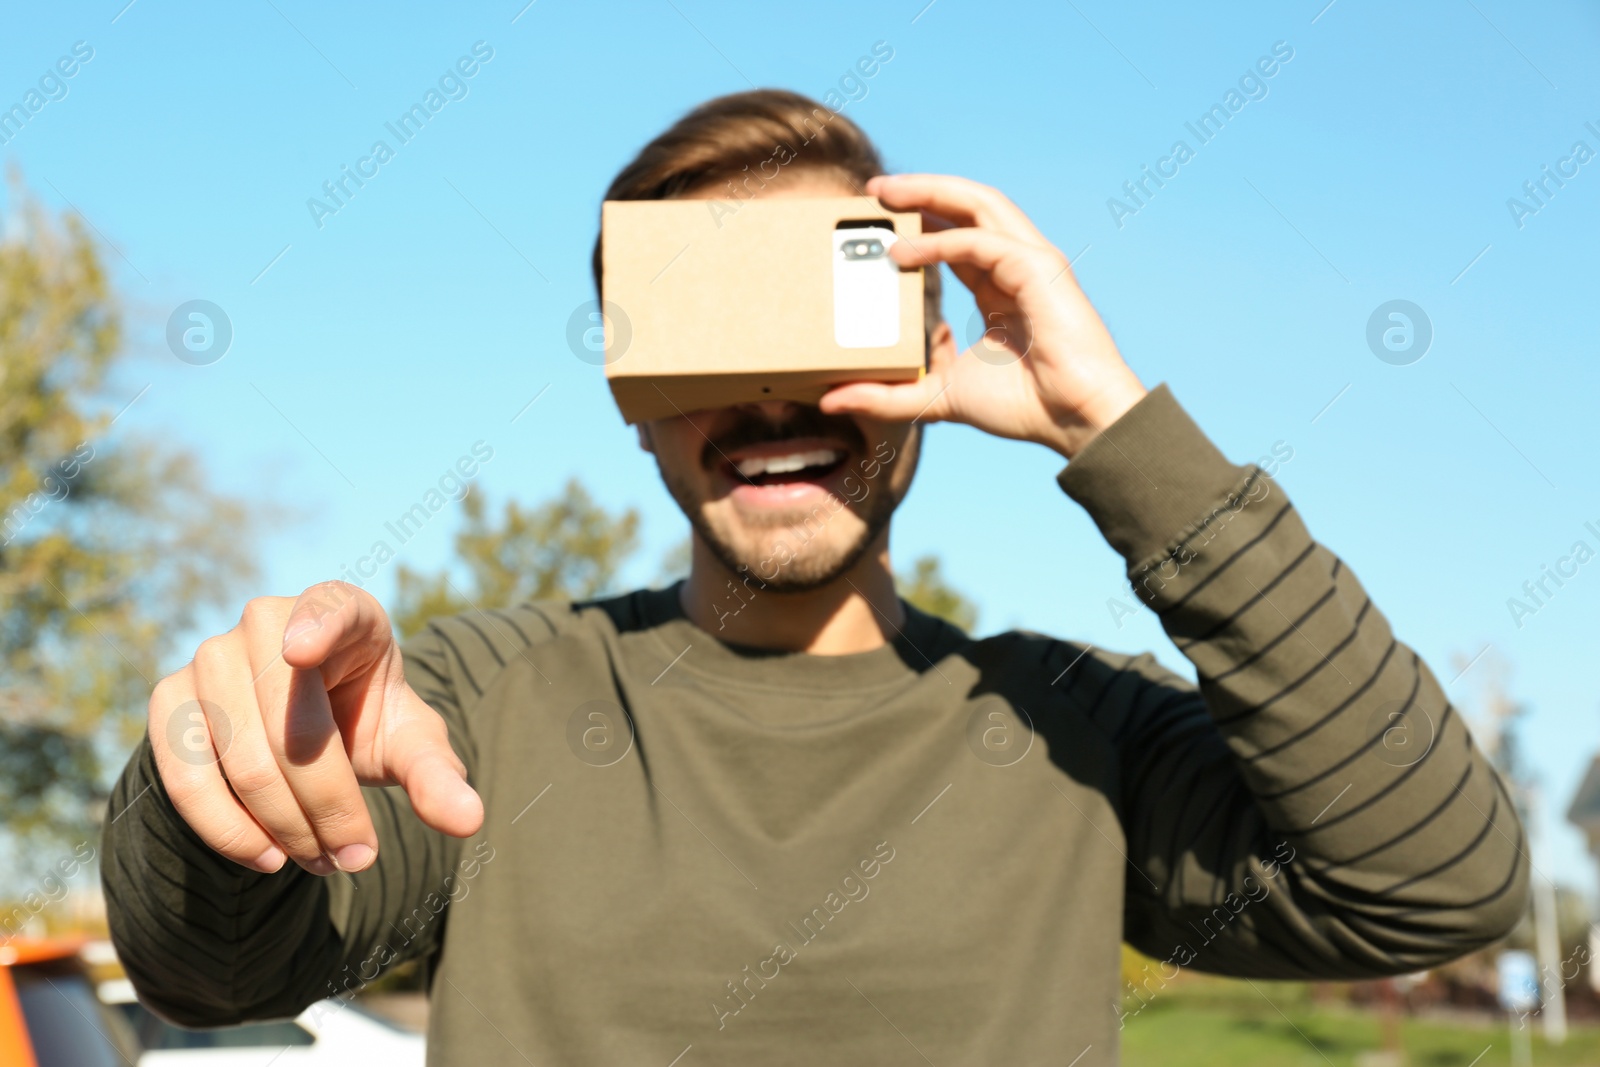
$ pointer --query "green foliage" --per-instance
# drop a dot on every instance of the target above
(1209, 1022)
(572, 548)
(568, 547)
(109, 545)
(676, 563)
(925, 587)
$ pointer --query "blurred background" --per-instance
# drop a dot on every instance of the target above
(227, 366)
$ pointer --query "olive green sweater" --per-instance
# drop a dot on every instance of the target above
(929, 853)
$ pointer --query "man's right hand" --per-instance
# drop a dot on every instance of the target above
(264, 738)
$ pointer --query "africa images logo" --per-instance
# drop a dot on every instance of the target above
(199, 332)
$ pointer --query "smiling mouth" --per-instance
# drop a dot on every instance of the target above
(764, 462)
(804, 465)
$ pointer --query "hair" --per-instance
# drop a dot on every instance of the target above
(729, 138)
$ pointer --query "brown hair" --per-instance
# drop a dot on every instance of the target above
(733, 138)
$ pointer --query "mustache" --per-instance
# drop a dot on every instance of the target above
(806, 421)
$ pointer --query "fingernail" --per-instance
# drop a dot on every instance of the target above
(352, 858)
(322, 865)
(298, 630)
(270, 860)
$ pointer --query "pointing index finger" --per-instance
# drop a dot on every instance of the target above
(337, 627)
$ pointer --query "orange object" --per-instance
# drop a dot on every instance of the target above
(15, 1046)
(39, 949)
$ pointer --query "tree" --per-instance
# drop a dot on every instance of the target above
(925, 587)
(675, 563)
(572, 548)
(109, 545)
(569, 547)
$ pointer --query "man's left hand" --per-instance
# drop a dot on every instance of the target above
(1045, 370)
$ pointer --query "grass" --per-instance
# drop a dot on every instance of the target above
(1215, 1023)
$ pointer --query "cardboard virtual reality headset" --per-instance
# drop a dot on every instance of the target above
(709, 303)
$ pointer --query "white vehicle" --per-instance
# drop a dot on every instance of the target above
(329, 1032)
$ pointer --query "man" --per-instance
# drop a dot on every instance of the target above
(776, 815)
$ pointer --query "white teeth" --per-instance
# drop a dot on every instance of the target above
(794, 461)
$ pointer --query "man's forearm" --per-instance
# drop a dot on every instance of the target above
(208, 941)
(1406, 849)
(204, 940)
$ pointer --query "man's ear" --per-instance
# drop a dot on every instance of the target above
(644, 437)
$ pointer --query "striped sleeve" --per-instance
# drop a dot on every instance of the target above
(1316, 808)
(204, 940)
(207, 942)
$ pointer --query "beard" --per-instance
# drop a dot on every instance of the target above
(802, 549)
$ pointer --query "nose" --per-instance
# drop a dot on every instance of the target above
(776, 411)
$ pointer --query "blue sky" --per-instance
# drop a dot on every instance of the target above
(372, 351)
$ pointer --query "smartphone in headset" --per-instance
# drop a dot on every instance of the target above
(866, 286)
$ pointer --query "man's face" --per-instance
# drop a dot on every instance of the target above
(779, 488)
(792, 495)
